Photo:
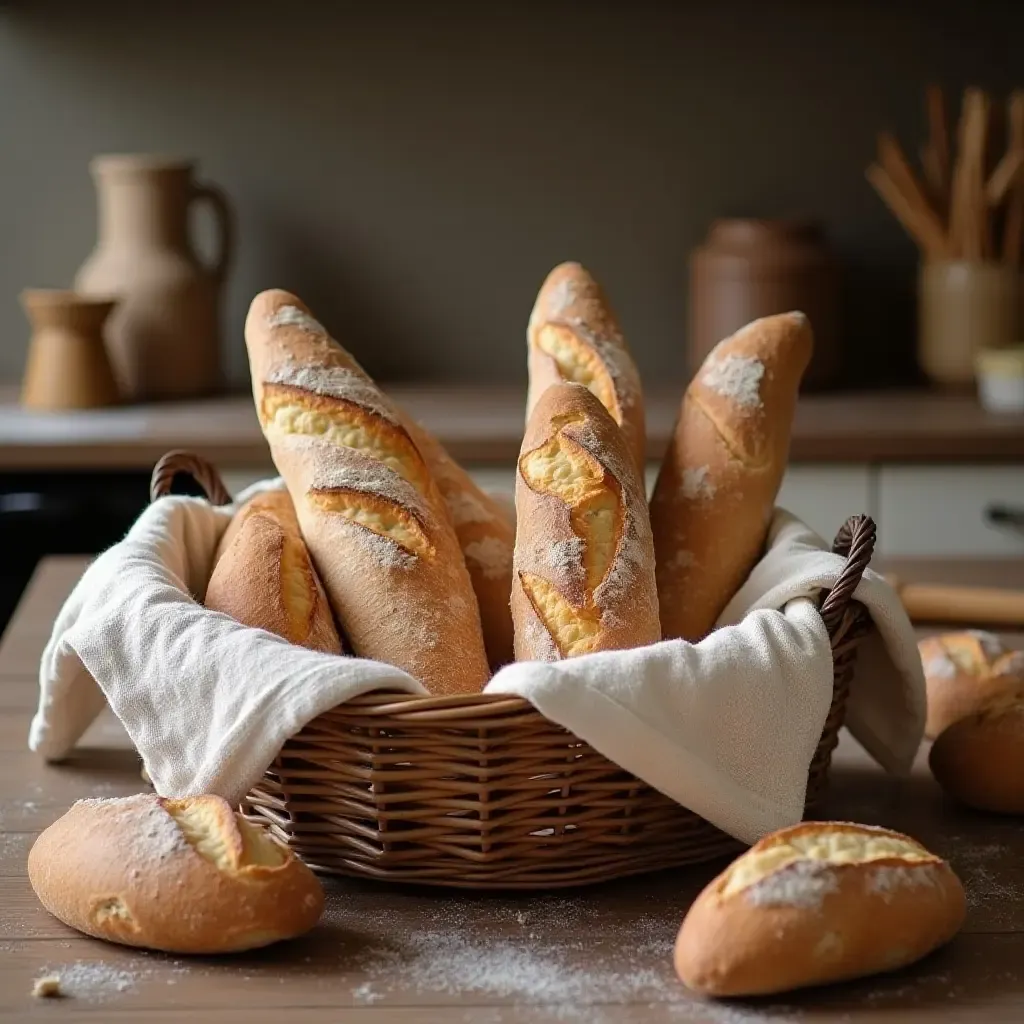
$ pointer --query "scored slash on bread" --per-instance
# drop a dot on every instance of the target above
(816, 903)
(574, 336)
(584, 577)
(263, 576)
(716, 489)
(182, 876)
(371, 513)
(964, 671)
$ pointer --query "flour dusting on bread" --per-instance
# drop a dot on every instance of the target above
(697, 483)
(292, 316)
(800, 884)
(490, 555)
(736, 377)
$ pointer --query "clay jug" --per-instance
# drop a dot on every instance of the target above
(67, 364)
(164, 337)
(752, 268)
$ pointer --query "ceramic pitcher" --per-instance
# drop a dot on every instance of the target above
(67, 365)
(164, 336)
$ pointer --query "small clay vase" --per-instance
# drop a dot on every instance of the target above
(963, 309)
(164, 337)
(747, 269)
(67, 366)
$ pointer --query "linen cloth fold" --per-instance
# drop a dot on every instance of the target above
(726, 727)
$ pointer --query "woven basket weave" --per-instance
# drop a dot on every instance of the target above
(482, 791)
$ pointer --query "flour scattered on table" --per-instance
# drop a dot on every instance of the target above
(93, 981)
(98, 982)
(574, 977)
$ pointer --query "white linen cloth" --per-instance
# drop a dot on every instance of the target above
(726, 727)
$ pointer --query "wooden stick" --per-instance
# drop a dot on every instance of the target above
(958, 189)
(936, 164)
(1004, 177)
(920, 222)
(901, 177)
(1013, 229)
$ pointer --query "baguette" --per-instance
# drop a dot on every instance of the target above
(263, 576)
(486, 536)
(979, 759)
(584, 557)
(182, 876)
(573, 335)
(370, 511)
(716, 489)
(817, 903)
(964, 672)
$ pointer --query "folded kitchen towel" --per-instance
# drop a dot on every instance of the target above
(726, 727)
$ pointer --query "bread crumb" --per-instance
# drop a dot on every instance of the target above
(47, 987)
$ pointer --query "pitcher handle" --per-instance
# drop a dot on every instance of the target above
(224, 217)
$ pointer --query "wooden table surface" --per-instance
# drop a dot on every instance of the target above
(483, 424)
(386, 955)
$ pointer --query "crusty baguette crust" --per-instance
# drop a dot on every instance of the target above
(486, 536)
(965, 672)
(370, 510)
(582, 560)
(716, 490)
(814, 921)
(263, 576)
(979, 759)
(574, 335)
(126, 871)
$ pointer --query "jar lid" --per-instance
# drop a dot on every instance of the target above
(1001, 362)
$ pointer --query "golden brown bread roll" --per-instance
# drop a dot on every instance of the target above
(979, 759)
(716, 490)
(965, 671)
(584, 567)
(486, 536)
(574, 336)
(371, 513)
(817, 903)
(263, 576)
(182, 876)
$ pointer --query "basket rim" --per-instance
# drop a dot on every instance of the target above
(855, 542)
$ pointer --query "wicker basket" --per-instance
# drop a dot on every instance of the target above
(482, 791)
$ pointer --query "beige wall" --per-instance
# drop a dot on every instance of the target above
(413, 173)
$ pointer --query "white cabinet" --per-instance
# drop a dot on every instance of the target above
(825, 496)
(940, 510)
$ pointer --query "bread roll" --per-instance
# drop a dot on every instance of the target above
(979, 759)
(263, 576)
(182, 876)
(964, 672)
(370, 511)
(584, 560)
(573, 335)
(716, 490)
(816, 903)
(486, 535)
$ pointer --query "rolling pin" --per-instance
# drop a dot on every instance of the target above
(964, 606)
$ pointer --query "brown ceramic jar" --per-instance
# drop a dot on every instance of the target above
(747, 269)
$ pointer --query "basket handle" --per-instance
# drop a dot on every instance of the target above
(856, 543)
(204, 473)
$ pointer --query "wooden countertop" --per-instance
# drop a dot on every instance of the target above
(388, 955)
(483, 425)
